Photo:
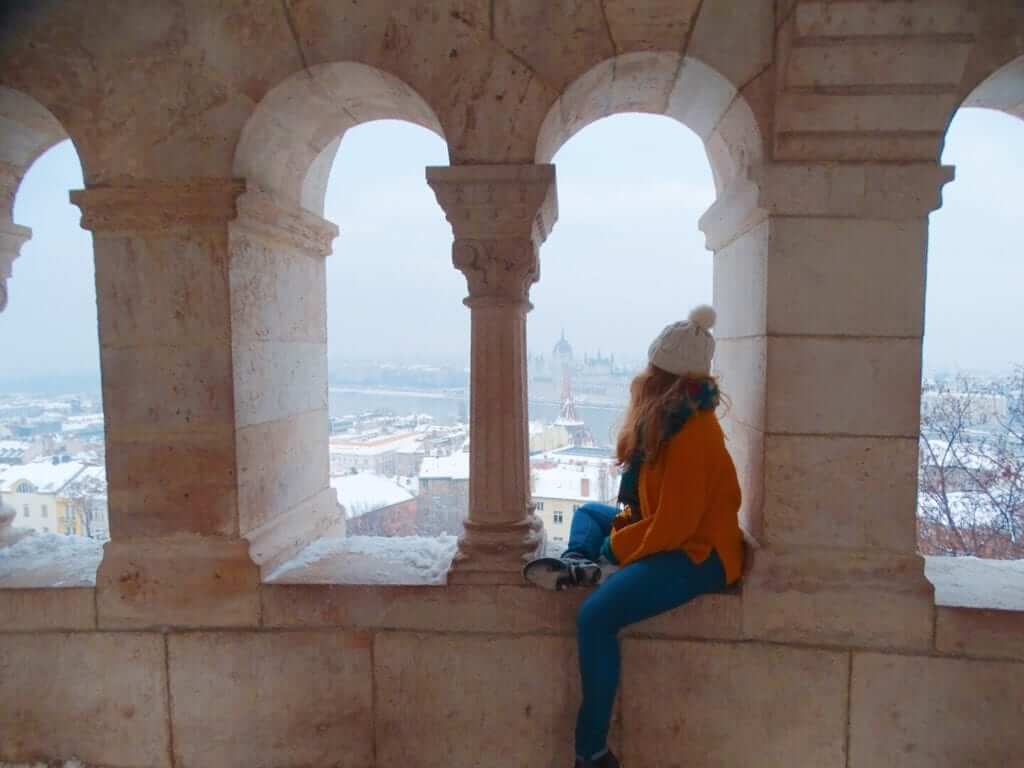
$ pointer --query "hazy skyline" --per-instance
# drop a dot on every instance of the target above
(625, 257)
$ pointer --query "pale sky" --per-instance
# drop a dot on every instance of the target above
(625, 257)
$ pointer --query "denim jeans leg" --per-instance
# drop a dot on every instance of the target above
(591, 523)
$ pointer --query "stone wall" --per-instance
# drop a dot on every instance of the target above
(473, 676)
(206, 133)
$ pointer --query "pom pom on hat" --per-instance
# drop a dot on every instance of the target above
(686, 347)
(703, 317)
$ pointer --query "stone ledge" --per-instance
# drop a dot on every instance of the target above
(477, 609)
(32, 610)
(980, 633)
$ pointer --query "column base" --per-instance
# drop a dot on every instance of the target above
(491, 553)
(183, 580)
(874, 599)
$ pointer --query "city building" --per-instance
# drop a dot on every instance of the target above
(444, 493)
(36, 492)
(375, 505)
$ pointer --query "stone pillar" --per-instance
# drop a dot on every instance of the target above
(12, 236)
(177, 556)
(278, 287)
(500, 215)
(819, 282)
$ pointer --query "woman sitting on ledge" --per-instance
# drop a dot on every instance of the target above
(677, 535)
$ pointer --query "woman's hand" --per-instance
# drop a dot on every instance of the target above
(626, 517)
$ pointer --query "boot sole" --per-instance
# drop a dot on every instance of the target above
(552, 574)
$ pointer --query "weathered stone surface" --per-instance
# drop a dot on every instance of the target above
(821, 386)
(98, 697)
(987, 634)
(281, 463)
(906, 61)
(169, 482)
(921, 712)
(723, 704)
(858, 493)
(461, 702)
(844, 277)
(34, 610)
(478, 609)
(185, 581)
(271, 699)
(741, 285)
(663, 25)
(839, 597)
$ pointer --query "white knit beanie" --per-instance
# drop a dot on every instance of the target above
(686, 347)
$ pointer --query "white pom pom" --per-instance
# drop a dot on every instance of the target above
(703, 317)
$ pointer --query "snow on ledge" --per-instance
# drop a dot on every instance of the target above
(68, 764)
(396, 560)
(972, 582)
(50, 560)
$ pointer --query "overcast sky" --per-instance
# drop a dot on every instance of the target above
(625, 258)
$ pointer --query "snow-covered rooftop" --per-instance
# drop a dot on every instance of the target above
(454, 467)
(403, 442)
(364, 492)
(43, 475)
(567, 482)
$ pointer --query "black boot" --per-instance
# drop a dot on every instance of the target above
(607, 760)
(558, 573)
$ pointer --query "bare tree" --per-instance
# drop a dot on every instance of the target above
(971, 478)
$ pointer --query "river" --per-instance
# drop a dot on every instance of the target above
(452, 407)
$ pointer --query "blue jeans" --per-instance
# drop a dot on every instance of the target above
(638, 591)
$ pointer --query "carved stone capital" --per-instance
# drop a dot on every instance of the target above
(494, 202)
(824, 190)
(10, 178)
(267, 217)
(140, 205)
(12, 237)
(499, 271)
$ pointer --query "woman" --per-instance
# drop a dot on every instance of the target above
(677, 535)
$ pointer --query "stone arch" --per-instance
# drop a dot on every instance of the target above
(288, 145)
(278, 244)
(709, 104)
(662, 83)
(1002, 90)
(27, 130)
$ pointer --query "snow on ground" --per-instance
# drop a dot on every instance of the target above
(50, 560)
(973, 582)
(422, 560)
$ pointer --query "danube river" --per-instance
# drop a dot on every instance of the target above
(451, 407)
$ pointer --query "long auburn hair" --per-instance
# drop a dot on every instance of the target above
(655, 396)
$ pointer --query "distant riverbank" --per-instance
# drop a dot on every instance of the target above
(449, 407)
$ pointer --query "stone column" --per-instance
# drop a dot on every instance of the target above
(279, 349)
(12, 236)
(819, 282)
(500, 215)
(177, 556)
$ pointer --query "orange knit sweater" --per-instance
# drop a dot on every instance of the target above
(689, 499)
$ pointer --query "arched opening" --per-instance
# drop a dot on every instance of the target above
(632, 189)
(971, 474)
(358, 374)
(52, 447)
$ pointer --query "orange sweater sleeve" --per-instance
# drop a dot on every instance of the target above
(680, 503)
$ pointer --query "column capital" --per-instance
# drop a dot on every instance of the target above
(500, 214)
(269, 217)
(12, 237)
(140, 205)
(497, 202)
(880, 191)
